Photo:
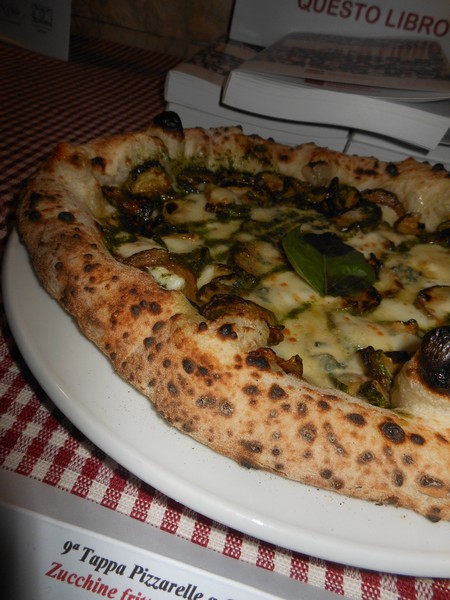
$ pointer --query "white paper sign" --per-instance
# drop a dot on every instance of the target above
(47, 559)
(40, 26)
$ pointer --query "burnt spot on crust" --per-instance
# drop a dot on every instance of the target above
(206, 401)
(155, 307)
(90, 267)
(428, 482)
(323, 405)
(227, 331)
(398, 478)
(169, 121)
(258, 361)
(366, 457)
(59, 266)
(356, 419)
(34, 199)
(417, 439)
(434, 514)
(276, 392)
(252, 446)
(149, 341)
(326, 473)
(407, 459)
(188, 365)
(392, 169)
(315, 163)
(302, 409)
(158, 325)
(251, 390)
(226, 408)
(333, 440)
(66, 217)
(337, 484)
(187, 427)
(393, 432)
(203, 371)
(308, 432)
(76, 160)
(366, 172)
(135, 310)
(172, 389)
(203, 326)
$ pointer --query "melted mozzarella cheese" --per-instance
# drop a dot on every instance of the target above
(139, 245)
(182, 242)
(166, 279)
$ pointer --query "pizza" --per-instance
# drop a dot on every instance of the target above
(288, 307)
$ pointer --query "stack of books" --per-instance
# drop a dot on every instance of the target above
(194, 90)
(388, 96)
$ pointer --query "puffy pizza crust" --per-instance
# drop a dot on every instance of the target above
(216, 380)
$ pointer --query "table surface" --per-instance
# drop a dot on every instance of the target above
(105, 89)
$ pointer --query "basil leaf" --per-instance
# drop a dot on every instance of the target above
(330, 266)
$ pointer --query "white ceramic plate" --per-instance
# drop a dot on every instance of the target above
(80, 381)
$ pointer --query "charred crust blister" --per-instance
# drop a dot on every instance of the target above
(356, 419)
(66, 217)
(393, 432)
(255, 359)
(366, 457)
(308, 432)
(276, 392)
(169, 121)
(188, 365)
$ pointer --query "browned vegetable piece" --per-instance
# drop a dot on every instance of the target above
(339, 198)
(363, 302)
(225, 284)
(159, 257)
(227, 304)
(293, 365)
(149, 179)
(409, 224)
(257, 257)
(384, 198)
(434, 359)
(435, 301)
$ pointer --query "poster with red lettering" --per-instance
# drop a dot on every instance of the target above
(261, 22)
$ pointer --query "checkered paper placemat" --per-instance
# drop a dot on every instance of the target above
(106, 89)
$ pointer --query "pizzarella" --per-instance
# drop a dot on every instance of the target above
(338, 275)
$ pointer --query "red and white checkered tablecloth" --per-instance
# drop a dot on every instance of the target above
(105, 89)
